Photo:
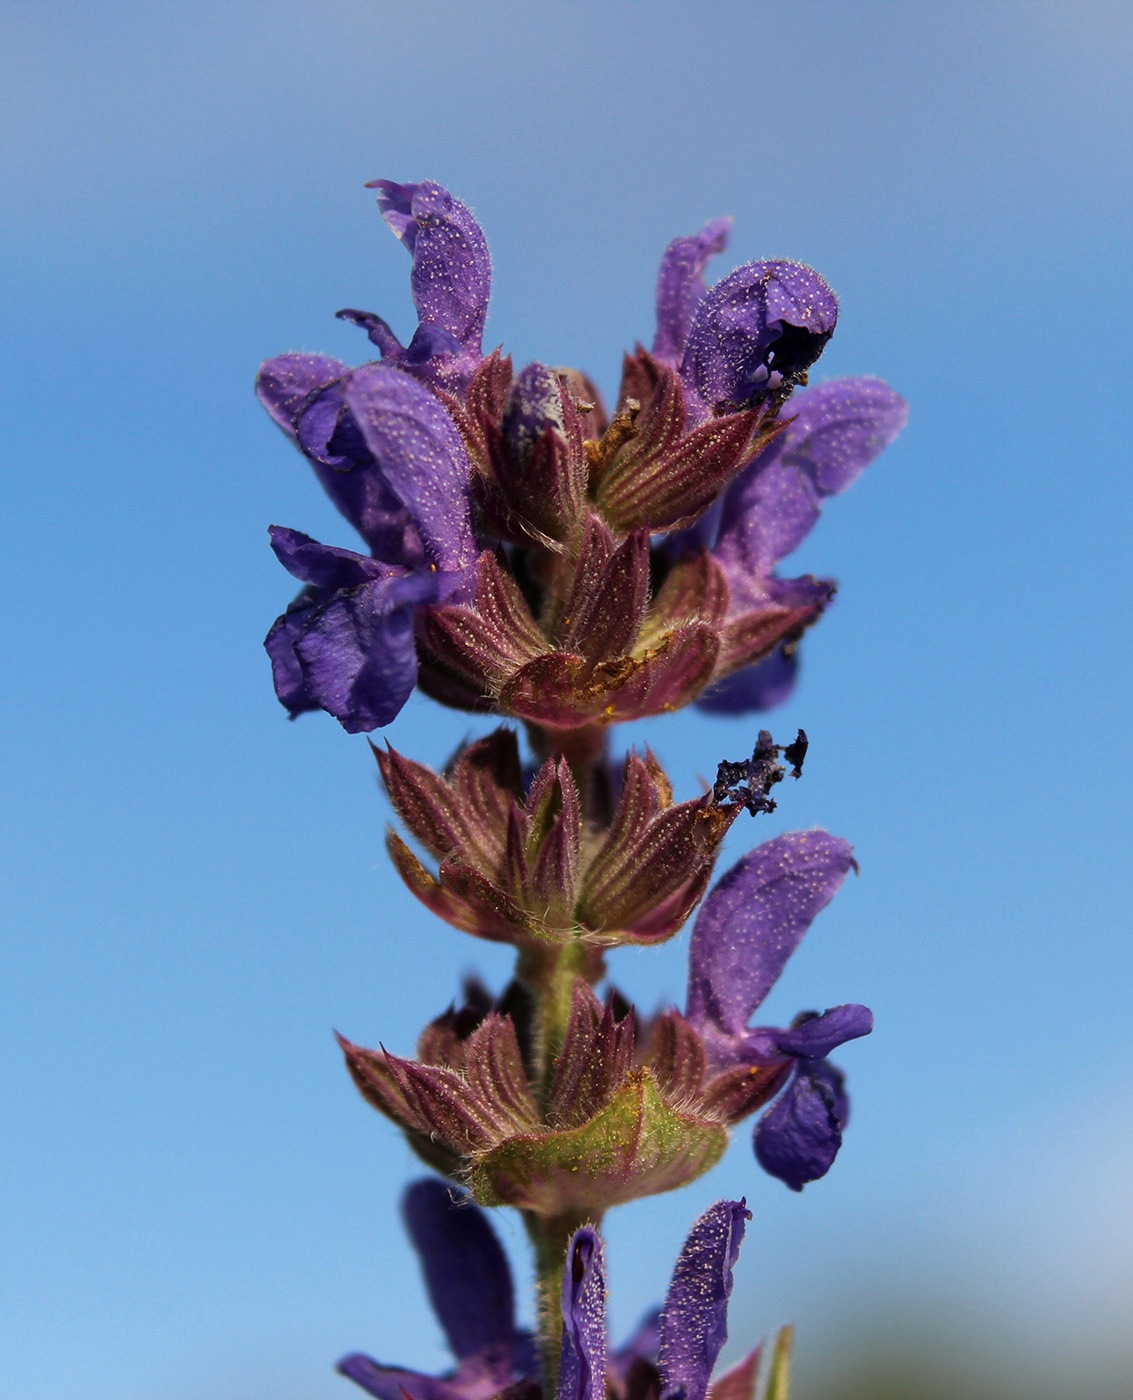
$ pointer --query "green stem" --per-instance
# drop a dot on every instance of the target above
(549, 973)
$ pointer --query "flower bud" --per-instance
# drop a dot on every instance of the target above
(538, 461)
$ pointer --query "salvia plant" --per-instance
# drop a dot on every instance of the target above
(529, 554)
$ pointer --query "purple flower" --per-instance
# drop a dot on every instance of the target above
(394, 463)
(451, 279)
(834, 432)
(747, 928)
(751, 337)
(470, 1288)
(673, 1352)
(680, 287)
(469, 1283)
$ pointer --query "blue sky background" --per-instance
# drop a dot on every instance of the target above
(198, 1204)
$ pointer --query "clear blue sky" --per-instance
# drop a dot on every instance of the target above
(200, 1206)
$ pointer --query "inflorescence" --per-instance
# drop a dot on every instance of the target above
(529, 554)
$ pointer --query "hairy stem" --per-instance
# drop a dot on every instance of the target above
(549, 975)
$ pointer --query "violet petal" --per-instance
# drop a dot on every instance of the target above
(694, 1321)
(815, 1037)
(837, 430)
(466, 1270)
(332, 442)
(377, 330)
(799, 1136)
(358, 654)
(421, 458)
(680, 286)
(451, 275)
(286, 672)
(305, 395)
(390, 1383)
(754, 919)
(833, 1082)
(322, 566)
(582, 1368)
(284, 384)
(756, 333)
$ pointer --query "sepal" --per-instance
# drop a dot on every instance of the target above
(564, 690)
(637, 1145)
(477, 646)
(649, 872)
(596, 1055)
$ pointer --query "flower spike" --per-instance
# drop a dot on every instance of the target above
(525, 553)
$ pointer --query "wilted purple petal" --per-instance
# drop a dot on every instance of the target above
(838, 429)
(694, 1320)
(799, 1136)
(466, 1270)
(582, 1368)
(283, 385)
(420, 456)
(451, 275)
(754, 919)
(358, 654)
(815, 1037)
(760, 687)
(286, 672)
(680, 285)
(757, 332)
